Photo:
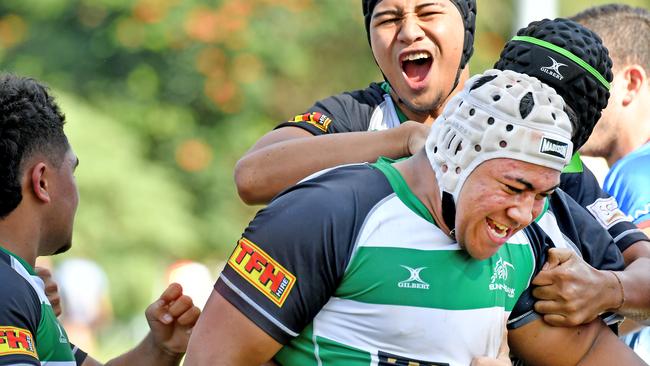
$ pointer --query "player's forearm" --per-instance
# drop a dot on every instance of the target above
(147, 353)
(635, 280)
(608, 350)
(593, 344)
(264, 172)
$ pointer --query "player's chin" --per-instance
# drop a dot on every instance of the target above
(64, 248)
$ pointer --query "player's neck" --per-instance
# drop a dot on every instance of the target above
(629, 140)
(18, 237)
(421, 179)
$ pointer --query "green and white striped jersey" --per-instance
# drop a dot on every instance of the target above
(348, 268)
(30, 333)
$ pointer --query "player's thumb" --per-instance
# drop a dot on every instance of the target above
(557, 256)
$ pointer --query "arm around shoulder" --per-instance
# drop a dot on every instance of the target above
(284, 156)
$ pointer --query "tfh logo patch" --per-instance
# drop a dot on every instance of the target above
(16, 341)
(262, 271)
(315, 119)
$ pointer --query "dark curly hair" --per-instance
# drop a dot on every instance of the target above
(560, 53)
(30, 123)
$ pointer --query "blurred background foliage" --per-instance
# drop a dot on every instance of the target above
(163, 96)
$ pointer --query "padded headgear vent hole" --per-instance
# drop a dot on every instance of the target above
(471, 112)
(509, 128)
(477, 148)
(496, 97)
(458, 148)
(451, 140)
(457, 170)
(490, 121)
(444, 168)
(526, 105)
(503, 143)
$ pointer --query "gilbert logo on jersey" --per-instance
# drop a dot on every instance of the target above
(261, 271)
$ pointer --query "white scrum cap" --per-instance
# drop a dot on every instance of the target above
(499, 114)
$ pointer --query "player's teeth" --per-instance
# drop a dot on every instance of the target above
(416, 56)
(499, 234)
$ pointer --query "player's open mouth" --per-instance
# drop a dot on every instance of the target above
(415, 67)
(498, 230)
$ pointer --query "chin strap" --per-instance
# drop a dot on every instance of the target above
(449, 213)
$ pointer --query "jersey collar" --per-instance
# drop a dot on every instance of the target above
(29, 268)
(402, 117)
(402, 190)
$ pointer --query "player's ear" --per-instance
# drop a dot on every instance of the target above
(635, 79)
(39, 183)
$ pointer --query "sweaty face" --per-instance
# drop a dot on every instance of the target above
(65, 199)
(499, 198)
(418, 46)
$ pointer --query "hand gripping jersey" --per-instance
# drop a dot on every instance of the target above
(629, 183)
(348, 268)
(373, 109)
(30, 334)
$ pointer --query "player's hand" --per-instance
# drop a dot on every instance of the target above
(171, 319)
(51, 289)
(503, 357)
(570, 291)
(416, 136)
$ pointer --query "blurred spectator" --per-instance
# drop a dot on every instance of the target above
(622, 135)
(83, 315)
(195, 278)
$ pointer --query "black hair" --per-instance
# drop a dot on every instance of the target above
(30, 123)
(581, 90)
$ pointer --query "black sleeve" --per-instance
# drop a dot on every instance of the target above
(566, 224)
(584, 189)
(20, 314)
(347, 112)
(292, 256)
(79, 354)
(523, 311)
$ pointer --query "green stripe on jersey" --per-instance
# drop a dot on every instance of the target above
(440, 279)
(304, 352)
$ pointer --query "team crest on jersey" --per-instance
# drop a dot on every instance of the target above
(262, 271)
(606, 211)
(16, 341)
(500, 274)
(315, 119)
